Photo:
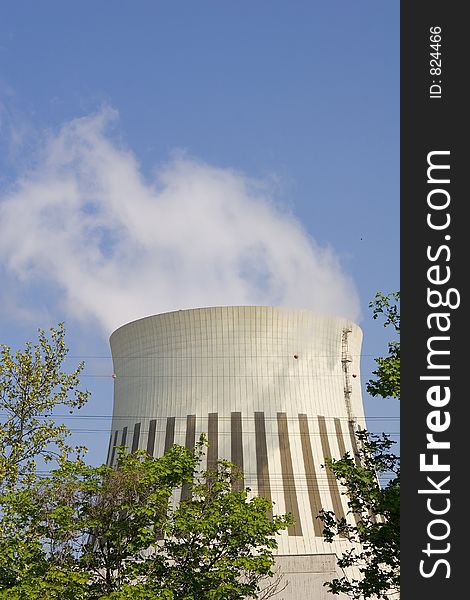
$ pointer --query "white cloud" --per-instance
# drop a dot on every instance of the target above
(117, 247)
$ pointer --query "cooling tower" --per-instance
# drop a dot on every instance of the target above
(275, 390)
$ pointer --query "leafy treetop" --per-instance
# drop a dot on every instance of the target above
(32, 386)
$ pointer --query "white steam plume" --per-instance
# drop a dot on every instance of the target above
(116, 247)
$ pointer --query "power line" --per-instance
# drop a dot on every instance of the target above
(208, 356)
(225, 433)
(220, 417)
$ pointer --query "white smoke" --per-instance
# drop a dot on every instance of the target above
(116, 247)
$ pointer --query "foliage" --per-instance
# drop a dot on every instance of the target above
(387, 383)
(376, 533)
(32, 385)
(97, 532)
(223, 536)
(87, 520)
(54, 584)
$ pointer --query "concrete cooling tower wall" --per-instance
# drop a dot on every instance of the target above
(275, 390)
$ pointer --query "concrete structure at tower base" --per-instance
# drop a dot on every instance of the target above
(304, 577)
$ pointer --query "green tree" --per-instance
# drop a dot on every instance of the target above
(87, 533)
(387, 381)
(222, 536)
(115, 533)
(84, 527)
(32, 386)
(375, 537)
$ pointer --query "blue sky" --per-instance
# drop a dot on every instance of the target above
(288, 109)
